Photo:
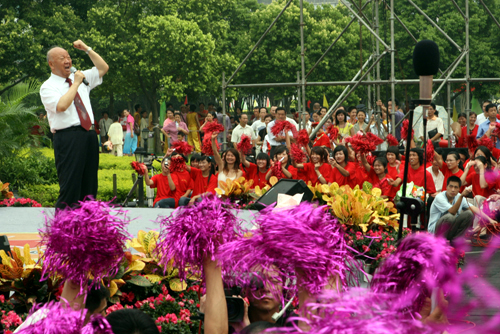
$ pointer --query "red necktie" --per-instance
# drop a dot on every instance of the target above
(82, 111)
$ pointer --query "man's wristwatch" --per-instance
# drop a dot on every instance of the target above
(88, 50)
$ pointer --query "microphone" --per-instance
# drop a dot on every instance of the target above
(73, 70)
(426, 65)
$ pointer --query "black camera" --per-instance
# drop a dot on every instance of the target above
(235, 309)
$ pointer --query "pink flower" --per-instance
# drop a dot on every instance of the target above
(366, 248)
(459, 270)
(2, 299)
(159, 328)
(152, 306)
(181, 304)
(113, 308)
(384, 245)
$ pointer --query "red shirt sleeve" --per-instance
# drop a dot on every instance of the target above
(322, 141)
(293, 170)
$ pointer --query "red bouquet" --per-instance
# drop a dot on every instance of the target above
(206, 147)
(245, 144)
(177, 164)
(404, 130)
(283, 126)
(138, 167)
(276, 168)
(182, 147)
(297, 154)
(392, 141)
(303, 138)
(212, 127)
(333, 132)
(429, 152)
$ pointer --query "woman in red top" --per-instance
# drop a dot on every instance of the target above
(462, 135)
(343, 171)
(377, 176)
(479, 177)
(257, 171)
(282, 154)
(394, 165)
(450, 168)
(317, 170)
(204, 177)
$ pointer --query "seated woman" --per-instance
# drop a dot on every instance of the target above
(228, 166)
(480, 174)
(287, 170)
(377, 176)
(321, 138)
(317, 170)
(204, 178)
(450, 168)
(394, 165)
(195, 160)
(257, 171)
(343, 170)
(435, 126)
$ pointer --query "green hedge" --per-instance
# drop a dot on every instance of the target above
(34, 175)
(46, 195)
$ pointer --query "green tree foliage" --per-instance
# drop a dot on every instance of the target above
(18, 114)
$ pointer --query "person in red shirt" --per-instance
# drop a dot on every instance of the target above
(481, 177)
(394, 164)
(258, 171)
(416, 172)
(317, 170)
(165, 184)
(462, 135)
(283, 155)
(204, 178)
(450, 168)
(377, 176)
(343, 170)
(321, 139)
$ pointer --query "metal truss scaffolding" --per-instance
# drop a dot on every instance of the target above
(372, 63)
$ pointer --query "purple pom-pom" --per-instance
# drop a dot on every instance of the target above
(192, 233)
(421, 263)
(59, 318)
(356, 311)
(305, 241)
(88, 240)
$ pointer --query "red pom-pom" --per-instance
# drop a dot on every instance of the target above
(212, 127)
(297, 154)
(138, 167)
(430, 151)
(245, 144)
(392, 141)
(182, 147)
(496, 131)
(283, 126)
(206, 147)
(374, 138)
(276, 168)
(485, 141)
(370, 158)
(333, 132)
(472, 143)
(303, 138)
(404, 129)
(177, 164)
(361, 143)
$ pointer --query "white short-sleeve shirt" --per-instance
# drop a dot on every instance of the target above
(55, 87)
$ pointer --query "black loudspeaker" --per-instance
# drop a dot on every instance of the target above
(284, 186)
(4, 245)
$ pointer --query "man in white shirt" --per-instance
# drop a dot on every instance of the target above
(276, 141)
(67, 102)
(450, 207)
(243, 129)
(480, 119)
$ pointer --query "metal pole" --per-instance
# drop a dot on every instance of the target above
(435, 25)
(377, 47)
(449, 74)
(393, 78)
(448, 108)
(365, 24)
(467, 68)
(332, 108)
(489, 12)
(260, 40)
(299, 110)
(302, 60)
(224, 140)
(458, 8)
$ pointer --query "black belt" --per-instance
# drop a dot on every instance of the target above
(75, 128)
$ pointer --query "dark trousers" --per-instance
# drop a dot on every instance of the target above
(76, 153)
